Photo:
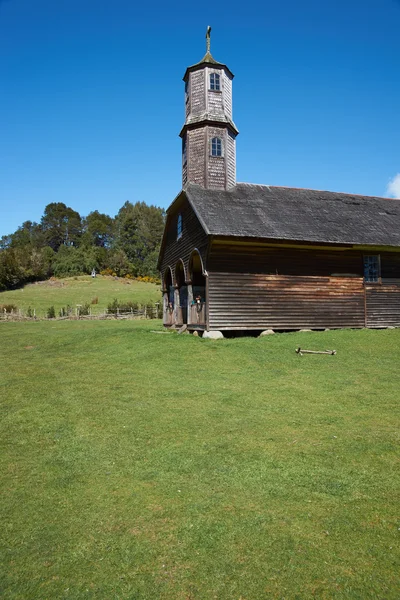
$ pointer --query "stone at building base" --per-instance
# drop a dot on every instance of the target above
(266, 332)
(213, 335)
(305, 329)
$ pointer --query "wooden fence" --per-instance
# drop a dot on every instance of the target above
(145, 312)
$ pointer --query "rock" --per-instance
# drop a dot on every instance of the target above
(266, 332)
(213, 335)
(182, 329)
(305, 329)
(196, 333)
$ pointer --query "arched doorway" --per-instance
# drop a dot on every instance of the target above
(181, 295)
(197, 314)
(168, 298)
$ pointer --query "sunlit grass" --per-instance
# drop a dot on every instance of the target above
(138, 465)
(80, 290)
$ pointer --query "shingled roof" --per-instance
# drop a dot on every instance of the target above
(262, 211)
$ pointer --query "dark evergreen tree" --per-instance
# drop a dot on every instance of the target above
(61, 226)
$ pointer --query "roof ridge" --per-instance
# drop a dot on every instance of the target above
(287, 187)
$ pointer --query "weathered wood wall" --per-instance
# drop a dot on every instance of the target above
(257, 287)
(193, 236)
(383, 305)
(275, 260)
(255, 301)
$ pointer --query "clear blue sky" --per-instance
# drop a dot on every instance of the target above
(91, 97)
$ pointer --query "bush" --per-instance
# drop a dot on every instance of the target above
(51, 313)
(149, 279)
(65, 311)
(84, 310)
(95, 300)
(8, 308)
(30, 312)
(116, 307)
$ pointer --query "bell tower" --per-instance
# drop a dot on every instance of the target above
(209, 133)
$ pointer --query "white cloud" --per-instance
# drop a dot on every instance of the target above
(393, 188)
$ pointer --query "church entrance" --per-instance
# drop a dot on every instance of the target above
(197, 313)
(181, 295)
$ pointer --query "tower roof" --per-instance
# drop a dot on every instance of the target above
(207, 59)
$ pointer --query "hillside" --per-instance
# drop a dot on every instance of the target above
(81, 290)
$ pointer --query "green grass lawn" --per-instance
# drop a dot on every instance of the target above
(80, 290)
(143, 466)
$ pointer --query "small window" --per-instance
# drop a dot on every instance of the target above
(216, 147)
(179, 227)
(371, 268)
(215, 82)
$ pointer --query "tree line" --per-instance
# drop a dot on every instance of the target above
(64, 244)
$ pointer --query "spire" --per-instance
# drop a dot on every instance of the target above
(208, 40)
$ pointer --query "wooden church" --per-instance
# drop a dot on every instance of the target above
(239, 256)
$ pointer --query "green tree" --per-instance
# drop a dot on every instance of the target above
(61, 226)
(28, 234)
(99, 229)
(139, 229)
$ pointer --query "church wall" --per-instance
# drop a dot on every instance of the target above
(184, 174)
(383, 304)
(215, 106)
(227, 95)
(196, 151)
(216, 164)
(193, 236)
(258, 301)
(255, 286)
(230, 160)
(196, 91)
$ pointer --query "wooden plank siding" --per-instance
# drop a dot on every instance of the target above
(383, 305)
(274, 260)
(258, 301)
(256, 286)
(193, 236)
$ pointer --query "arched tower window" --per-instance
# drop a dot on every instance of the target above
(215, 82)
(216, 146)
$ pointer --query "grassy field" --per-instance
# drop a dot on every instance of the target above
(80, 290)
(147, 466)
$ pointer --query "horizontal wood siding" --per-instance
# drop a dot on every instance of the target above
(216, 172)
(390, 265)
(227, 94)
(230, 160)
(196, 152)
(196, 92)
(275, 260)
(257, 301)
(383, 305)
(193, 236)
